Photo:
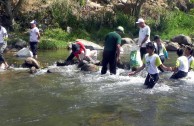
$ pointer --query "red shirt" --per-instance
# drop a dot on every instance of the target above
(82, 48)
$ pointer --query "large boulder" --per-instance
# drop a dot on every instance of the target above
(20, 43)
(90, 45)
(127, 48)
(90, 68)
(24, 52)
(127, 41)
(31, 62)
(86, 66)
(182, 39)
(172, 46)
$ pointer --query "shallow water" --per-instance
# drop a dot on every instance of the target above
(74, 98)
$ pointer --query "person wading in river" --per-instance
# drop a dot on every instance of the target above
(182, 65)
(160, 50)
(151, 62)
(144, 36)
(188, 54)
(111, 52)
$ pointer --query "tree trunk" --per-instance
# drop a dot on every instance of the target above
(11, 9)
(9, 14)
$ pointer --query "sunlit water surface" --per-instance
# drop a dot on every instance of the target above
(74, 98)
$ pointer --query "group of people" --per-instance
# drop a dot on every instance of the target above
(33, 41)
(153, 55)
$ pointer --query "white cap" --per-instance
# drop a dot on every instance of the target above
(140, 20)
(33, 22)
(120, 28)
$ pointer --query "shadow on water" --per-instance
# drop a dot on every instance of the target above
(74, 98)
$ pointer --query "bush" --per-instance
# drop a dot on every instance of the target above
(52, 44)
(172, 23)
(58, 38)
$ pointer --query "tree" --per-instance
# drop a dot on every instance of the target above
(9, 9)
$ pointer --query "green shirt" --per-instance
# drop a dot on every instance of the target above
(111, 41)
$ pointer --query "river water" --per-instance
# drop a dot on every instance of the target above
(74, 98)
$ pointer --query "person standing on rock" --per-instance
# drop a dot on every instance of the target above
(111, 53)
(3, 45)
(144, 36)
(34, 38)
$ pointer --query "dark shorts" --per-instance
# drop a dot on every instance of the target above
(143, 52)
(162, 58)
(151, 80)
(34, 47)
(179, 74)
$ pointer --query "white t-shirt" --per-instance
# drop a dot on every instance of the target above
(152, 63)
(182, 63)
(191, 62)
(143, 32)
(3, 33)
(160, 51)
(33, 34)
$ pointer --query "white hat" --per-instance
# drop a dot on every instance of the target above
(140, 20)
(33, 22)
(120, 28)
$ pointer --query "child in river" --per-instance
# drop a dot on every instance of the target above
(182, 65)
(188, 54)
(151, 62)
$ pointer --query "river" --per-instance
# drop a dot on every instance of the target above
(74, 98)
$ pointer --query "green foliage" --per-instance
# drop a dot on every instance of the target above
(58, 38)
(175, 23)
(99, 35)
(52, 44)
(128, 22)
(60, 9)
(192, 1)
(53, 39)
(191, 11)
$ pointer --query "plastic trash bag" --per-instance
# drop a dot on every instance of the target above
(135, 59)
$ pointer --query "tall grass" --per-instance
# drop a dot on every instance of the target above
(58, 38)
(174, 23)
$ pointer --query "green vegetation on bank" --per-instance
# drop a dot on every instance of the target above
(94, 26)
